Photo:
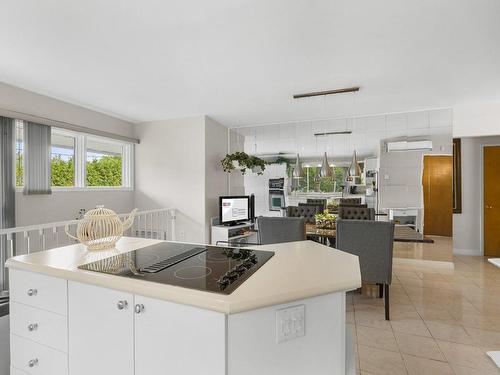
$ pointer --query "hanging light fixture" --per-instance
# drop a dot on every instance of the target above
(354, 169)
(325, 170)
(298, 171)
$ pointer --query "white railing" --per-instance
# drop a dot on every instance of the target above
(157, 224)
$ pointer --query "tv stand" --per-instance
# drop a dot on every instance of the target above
(241, 232)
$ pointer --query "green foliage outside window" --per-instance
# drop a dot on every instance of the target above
(62, 172)
(106, 171)
(325, 184)
(19, 170)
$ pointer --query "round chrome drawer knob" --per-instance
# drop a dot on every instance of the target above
(139, 308)
(33, 327)
(122, 305)
(32, 292)
(33, 362)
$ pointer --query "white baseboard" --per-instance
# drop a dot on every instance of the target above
(470, 252)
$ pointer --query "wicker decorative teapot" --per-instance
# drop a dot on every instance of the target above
(101, 228)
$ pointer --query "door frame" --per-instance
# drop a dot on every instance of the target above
(481, 195)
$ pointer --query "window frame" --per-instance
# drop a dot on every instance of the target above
(80, 161)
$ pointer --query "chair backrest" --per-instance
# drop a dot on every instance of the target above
(356, 213)
(372, 242)
(361, 205)
(307, 212)
(349, 201)
(320, 206)
(281, 229)
(317, 202)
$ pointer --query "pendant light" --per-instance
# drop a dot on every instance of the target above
(325, 170)
(354, 168)
(298, 171)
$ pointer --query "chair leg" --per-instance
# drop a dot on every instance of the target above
(380, 290)
(386, 295)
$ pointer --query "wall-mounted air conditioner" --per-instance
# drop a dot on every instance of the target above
(403, 146)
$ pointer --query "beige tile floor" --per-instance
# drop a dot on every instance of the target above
(440, 250)
(442, 321)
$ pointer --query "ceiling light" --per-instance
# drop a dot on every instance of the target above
(325, 170)
(298, 171)
(354, 169)
(328, 92)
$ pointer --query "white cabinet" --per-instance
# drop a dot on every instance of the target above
(110, 331)
(36, 359)
(38, 324)
(40, 291)
(178, 339)
(101, 332)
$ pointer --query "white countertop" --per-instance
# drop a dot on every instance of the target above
(298, 270)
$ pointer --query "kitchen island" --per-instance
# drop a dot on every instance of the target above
(286, 318)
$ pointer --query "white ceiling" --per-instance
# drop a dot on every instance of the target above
(240, 61)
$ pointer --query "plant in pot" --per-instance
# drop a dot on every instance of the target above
(242, 161)
(326, 220)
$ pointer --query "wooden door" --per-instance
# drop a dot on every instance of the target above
(101, 331)
(491, 183)
(177, 339)
(437, 182)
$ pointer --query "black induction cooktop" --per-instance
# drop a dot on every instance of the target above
(208, 268)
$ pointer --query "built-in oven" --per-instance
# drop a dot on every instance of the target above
(276, 194)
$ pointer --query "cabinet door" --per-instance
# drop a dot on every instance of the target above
(178, 339)
(101, 333)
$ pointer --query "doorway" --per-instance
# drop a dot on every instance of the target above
(437, 180)
(491, 194)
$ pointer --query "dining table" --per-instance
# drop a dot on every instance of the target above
(402, 233)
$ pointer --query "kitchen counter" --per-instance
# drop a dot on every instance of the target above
(287, 318)
(298, 270)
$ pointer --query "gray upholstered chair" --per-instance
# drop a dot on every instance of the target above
(317, 202)
(307, 212)
(372, 242)
(349, 201)
(356, 213)
(281, 229)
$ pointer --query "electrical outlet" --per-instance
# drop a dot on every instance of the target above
(290, 323)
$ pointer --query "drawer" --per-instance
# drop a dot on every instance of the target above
(41, 326)
(36, 359)
(37, 290)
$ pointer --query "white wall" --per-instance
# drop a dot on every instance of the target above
(216, 180)
(403, 188)
(16, 99)
(476, 119)
(62, 206)
(467, 225)
(171, 165)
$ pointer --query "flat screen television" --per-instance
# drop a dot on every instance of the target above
(234, 209)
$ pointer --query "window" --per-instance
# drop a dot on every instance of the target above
(104, 161)
(62, 162)
(81, 161)
(324, 184)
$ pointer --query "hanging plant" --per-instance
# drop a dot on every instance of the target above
(242, 161)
